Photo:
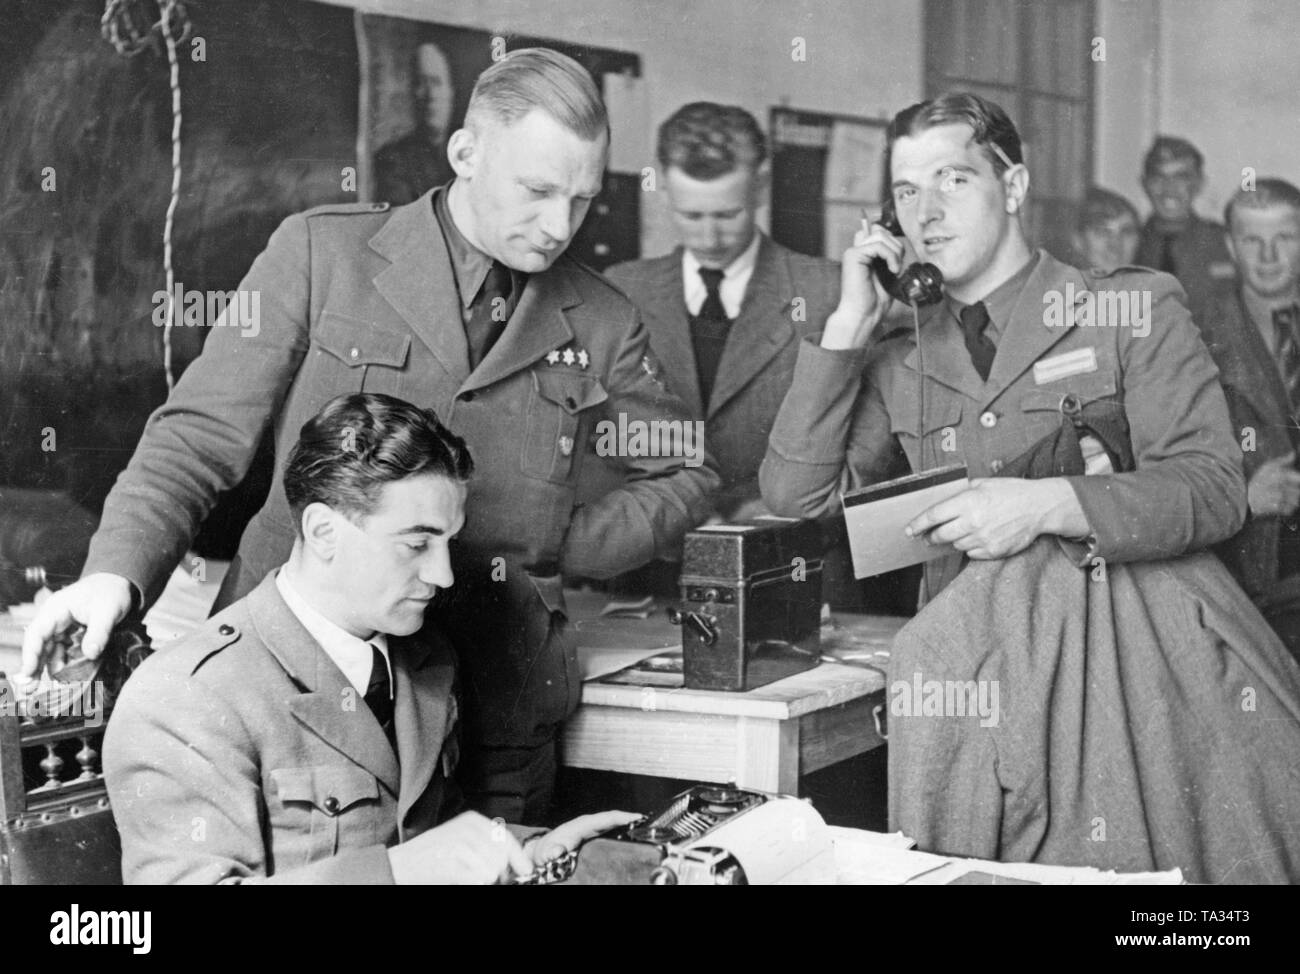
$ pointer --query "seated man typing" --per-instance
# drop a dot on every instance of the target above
(307, 734)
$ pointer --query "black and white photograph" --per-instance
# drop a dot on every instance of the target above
(597, 442)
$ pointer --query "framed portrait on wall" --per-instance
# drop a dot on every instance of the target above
(416, 80)
(826, 170)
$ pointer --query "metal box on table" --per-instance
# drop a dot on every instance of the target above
(751, 596)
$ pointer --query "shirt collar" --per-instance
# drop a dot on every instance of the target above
(349, 653)
(1001, 301)
(743, 264)
(735, 278)
(469, 265)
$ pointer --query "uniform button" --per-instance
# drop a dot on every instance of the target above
(995, 466)
(332, 805)
(566, 445)
(226, 630)
(468, 397)
(354, 352)
(988, 420)
(1070, 404)
(570, 402)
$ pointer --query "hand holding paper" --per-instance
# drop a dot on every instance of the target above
(999, 517)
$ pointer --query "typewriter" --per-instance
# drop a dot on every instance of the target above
(713, 835)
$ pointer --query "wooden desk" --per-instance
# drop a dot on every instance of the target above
(764, 739)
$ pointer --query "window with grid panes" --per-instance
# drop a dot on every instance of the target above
(1034, 58)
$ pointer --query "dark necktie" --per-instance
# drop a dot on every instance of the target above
(974, 323)
(379, 694)
(709, 331)
(488, 312)
(1288, 354)
(1167, 254)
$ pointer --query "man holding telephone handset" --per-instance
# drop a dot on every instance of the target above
(997, 365)
(1119, 654)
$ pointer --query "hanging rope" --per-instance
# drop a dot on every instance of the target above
(129, 27)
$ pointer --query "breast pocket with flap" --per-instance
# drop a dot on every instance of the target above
(939, 436)
(361, 355)
(324, 808)
(556, 409)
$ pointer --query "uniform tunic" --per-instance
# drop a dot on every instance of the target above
(1118, 703)
(361, 298)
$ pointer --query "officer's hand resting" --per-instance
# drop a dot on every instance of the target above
(98, 602)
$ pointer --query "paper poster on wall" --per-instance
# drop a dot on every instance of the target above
(826, 169)
(416, 80)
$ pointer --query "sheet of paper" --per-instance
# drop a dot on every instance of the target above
(876, 516)
(629, 123)
(609, 643)
(781, 842)
(862, 860)
(597, 661)
(853, 165)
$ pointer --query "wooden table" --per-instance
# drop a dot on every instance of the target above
(764, 739)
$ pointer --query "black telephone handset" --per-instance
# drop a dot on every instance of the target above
(919, 284)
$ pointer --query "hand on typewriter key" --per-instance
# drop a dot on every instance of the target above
(554, 853)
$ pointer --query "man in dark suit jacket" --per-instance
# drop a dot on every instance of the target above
(308, 733)
(1175, 240)
(462, 301)
(1253, 333)
(726, 309)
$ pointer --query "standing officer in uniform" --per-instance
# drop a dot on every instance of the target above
(1002, 354)
(1175, 240)
(462, 302)
(1122, 679)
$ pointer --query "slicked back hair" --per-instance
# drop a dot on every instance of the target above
(992, 126)
(358, 443)
(538, 78)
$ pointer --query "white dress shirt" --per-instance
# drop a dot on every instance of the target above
(734, 281)
(349, 653)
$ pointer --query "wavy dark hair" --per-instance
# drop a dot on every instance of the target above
(992, 126)
(706, 140)
(348, 451)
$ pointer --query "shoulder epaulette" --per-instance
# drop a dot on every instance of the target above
(205, 642)
(348, 209)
